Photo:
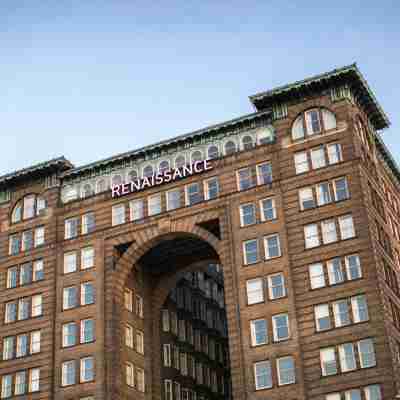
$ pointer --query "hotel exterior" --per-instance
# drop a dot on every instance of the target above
(257, 258)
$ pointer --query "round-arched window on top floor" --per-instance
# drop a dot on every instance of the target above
(148, 171)
(180, 161)
(313, 122)
(29, 207)
(247, 142)
(230, 147)
(132, 175)
(197, 156)
(116, 180)
(164, 166)
(101, 186)
(212, 152)
(87, 190)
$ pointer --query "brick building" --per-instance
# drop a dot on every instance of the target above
(297, 204)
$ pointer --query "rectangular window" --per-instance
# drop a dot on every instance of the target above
(69, 334)
(70, 262)
(38, 273)
(354, 394)
(247, 214)
(29, 207)
(88, 223)
(87, 293)
(328, 229)
(335, 271)
(328, 361)
(346, 227)
(39, 236)
(262, 375)
(12, 277)
(340, 189)
(118, 214)
(318, 157)
(272, 246)
(306, 199)
(129, 336)
(139, 342)
(168, 389)
(301, 162)
(14, 244)
(323, 194)
(140, 379)
(154, 204)
(27, 240)
(87, 330)
(139, 306)
(165, 320)
(245, 179)
(87, 369)
(6, 386)
(268, 209)
(373, 392)
(211, 188)
(193, 194)
(36, 307)
(71, 228)
(286, 371)
(68, 373)
(353, 267)
(25, 274)
(322, 317)
(346, 357)
(264, 174)
(255, 291)
(70, 297)
(341, 313)
(130, 374)
(22, 345)
(87, 258)
(128, 299)
(276, 286)
(360, 308)
(280, 326)
(334, 153)
(317, 276)
(23, 308)
(259, 334)
(136, 209)
(10, 312)
(173, 199)
(8, 348)
(20, 383)
(167, 355)
(311, 236)
(34, 380)
(250, 251)
(35, 342)
(366, 353)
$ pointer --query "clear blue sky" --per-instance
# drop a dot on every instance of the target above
(89, 79)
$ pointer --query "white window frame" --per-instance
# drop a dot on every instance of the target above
(242, 215)
(260, 291)
(245, 258)
(314, 276)
(279, 371)
(273, 202)
(118, 217)
(152, 204)
(268, 256)
(253, 332)
(275, 327)
(316, 241)
(266, 364)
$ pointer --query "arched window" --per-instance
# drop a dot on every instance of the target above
(313, 122)
(247, 142)
(116, 180)
(148, 171)
(132, 175)
(212, 152)
(28, 207)
(180, 161)
(101, 186)
(86, 190)
(230, 147)
(265, 135)
(164, 166)
(197, 156)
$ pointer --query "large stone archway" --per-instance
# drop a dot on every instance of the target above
(121, 267)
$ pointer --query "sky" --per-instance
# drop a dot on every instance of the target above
(90, 79)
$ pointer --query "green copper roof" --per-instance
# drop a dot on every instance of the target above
(55, 164)
(350, 75)
(157, 146)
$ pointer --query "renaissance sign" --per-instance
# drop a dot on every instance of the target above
(158, 179)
